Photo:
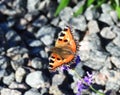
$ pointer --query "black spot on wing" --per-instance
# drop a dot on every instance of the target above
(65, 29)
(62, 34)
(65, 40)
(51, 61)
(53, 57)
(50, 66)
(58, 58)
(59, 39)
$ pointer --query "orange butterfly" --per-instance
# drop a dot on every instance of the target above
(64, 50)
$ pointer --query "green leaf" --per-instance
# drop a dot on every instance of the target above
(89, 2)
(62, 5)
(118, 11)
(79, 11)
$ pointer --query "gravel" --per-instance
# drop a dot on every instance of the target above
(28, 29)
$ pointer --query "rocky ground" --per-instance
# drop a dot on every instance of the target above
(28, 29)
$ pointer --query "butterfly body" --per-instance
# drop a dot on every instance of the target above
(64, 50)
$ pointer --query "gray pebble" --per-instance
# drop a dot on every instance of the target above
(45, 30)
(47, 40)
(55, 21)
(114, 16)
(93, 26)
(36, 63)
(2, 73)
(58, 79)
(115, 61)
(107, 33)
(8, 79)
(4, 61)
(16, 85)
(19, 74)
(66, 14)
(16, 50)
(91, 13)
(13, 38)
(35, 79)
(106, 18)
(42, 20)
(106, 8)
(113, 80)
(113, 49)
(35, 43)
(116, 41)
(78, 23)
(32, 92)
(31, 5)
(6, 91)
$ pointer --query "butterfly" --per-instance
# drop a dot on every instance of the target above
(64, 50)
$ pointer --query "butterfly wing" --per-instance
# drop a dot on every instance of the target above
(64, 50)
(54, 60)
(66, 39)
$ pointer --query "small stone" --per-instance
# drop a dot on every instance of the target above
(31, 5)
(91, 13)
(78, 23)
(19, 74)
(96, 60)
(8, 79)
(62, 24)
(13, 38)
(15, 85)
(116, 61)
(55, 90)
(45, 30)
(106, 8)
(116, 41)
(116, 30)
(16, 50)
(32, 92)
(113, 80)
(2, 73)
(55, 21)
(17, 63)
(42, 20)
(6, 91)
(47, 40)
(43, 54)
(91, 40)
(107, 33)
(4, 61)
(28, 17)
(66, 14)
(36, 63)
(35, 79)
(114, 16)
(35, 43)
(58, 79)
(113, 49)
(93, 27)
(100, 78)
(106, 18)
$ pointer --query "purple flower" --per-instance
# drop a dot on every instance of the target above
(84, 84)
(71, 66)
(88, 79)
(77, 60)
(64, 67)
